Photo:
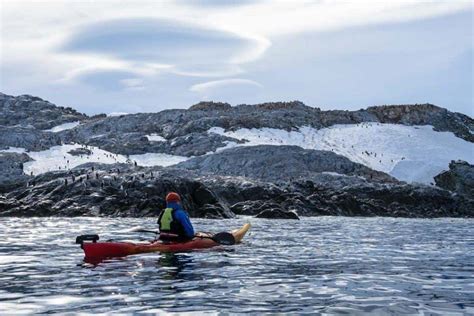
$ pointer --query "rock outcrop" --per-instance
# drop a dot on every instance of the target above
(11, 171)
(105, 190)
(124, 190)
(30, 111)
(279, 163)
(27, 138)
(459, 178)
(426, 114)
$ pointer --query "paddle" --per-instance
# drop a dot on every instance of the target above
(222, 238)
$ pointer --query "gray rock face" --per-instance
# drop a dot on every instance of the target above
(459, 178)
(28, 138)
(279, 163)
(26, 110)
(11, 171)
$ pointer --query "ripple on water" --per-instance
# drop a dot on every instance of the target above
(326, 265)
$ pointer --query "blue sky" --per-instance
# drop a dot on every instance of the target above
(146, 56)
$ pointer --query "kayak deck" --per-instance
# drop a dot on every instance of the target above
(122, 249)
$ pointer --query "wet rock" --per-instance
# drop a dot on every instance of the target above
(277, 214)
(212, 211)
(263, 209)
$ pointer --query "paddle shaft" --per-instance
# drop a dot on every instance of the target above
(217, 240)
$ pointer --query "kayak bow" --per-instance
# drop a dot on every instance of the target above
(94, 249)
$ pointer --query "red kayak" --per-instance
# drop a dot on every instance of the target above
(94, 249)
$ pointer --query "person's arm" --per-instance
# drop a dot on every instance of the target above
(183, 218)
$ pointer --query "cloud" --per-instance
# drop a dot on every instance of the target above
(184, 47)
(210, 86)
(112, 80)
(234, 90)
(132, 83)
(276, 18)
(217, 3)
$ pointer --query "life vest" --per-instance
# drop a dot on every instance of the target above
(169, 226)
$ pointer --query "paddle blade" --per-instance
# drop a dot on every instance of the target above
(224, 238)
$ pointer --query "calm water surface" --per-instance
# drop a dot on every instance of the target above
(332, 265)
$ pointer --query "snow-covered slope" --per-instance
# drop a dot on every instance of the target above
(58, 158)
(409, 153)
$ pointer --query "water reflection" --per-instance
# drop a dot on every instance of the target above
(173, 264)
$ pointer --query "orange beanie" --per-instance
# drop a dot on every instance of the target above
(173, 197)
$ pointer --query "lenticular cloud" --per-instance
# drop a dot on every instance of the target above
(166, 42)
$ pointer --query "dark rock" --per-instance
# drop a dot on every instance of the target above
(277, 214)
(80, 152)
(111, 194)
(459, 178)
(11, 171)
(210, 106)
(212, 211)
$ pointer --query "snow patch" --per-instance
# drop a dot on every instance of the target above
(58, 158)
(17, 150)
(63, 127)
(155, 138)
(157, 159)
(418, 171)
(117, 114)
(409, 153)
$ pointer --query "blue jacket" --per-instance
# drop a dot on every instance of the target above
(182, 217)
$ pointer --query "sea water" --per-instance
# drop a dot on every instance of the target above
(335, 265)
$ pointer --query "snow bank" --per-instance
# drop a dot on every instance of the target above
(409, 153)
(14, 150)
(117, 114)
(155, 159)
(63, 127)
(155, 138)
(57, 158)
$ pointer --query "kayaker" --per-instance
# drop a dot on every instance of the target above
(174, 221)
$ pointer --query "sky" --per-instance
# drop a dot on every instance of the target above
(146, 56)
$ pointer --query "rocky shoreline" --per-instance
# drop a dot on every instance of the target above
(263, 181)
(126, 190)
